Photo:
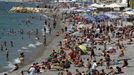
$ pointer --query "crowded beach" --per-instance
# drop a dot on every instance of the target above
(94, 43)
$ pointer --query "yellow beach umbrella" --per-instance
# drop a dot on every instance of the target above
(83, 48)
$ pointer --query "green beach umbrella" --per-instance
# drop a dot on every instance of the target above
(49, 58)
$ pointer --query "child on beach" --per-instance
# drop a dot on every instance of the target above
(21, 57)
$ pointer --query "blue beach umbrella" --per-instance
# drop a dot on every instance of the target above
(101, 17)
(88, 17)
(80, 10)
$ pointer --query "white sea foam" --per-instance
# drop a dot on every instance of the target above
(36, 38)
(10, 65)
(47, 31)
(24, 47)
(23, 51)
(19, 50)
(38, 43)
(32, 45)
(17, 60)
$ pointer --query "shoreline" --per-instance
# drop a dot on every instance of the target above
(30, 52)
(52, 40)
(13, 33)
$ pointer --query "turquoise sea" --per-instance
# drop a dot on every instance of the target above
(17, 33)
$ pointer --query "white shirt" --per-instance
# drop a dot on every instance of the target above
(97, 30)
(32, 71)
(94, 65)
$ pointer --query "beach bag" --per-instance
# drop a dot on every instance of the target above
(108, 59)
(67, 64)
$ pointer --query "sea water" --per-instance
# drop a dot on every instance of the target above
(13, 27)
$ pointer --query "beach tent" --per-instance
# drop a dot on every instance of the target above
(83, 49)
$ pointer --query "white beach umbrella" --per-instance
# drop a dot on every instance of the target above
(97, 5)
(94, 5)
(113, 5)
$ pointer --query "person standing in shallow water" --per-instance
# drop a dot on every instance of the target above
(37, 31)
(12, 44)
(5, 43)
(1, 47)
(7, 54)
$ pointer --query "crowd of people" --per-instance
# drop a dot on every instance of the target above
(87, 46)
